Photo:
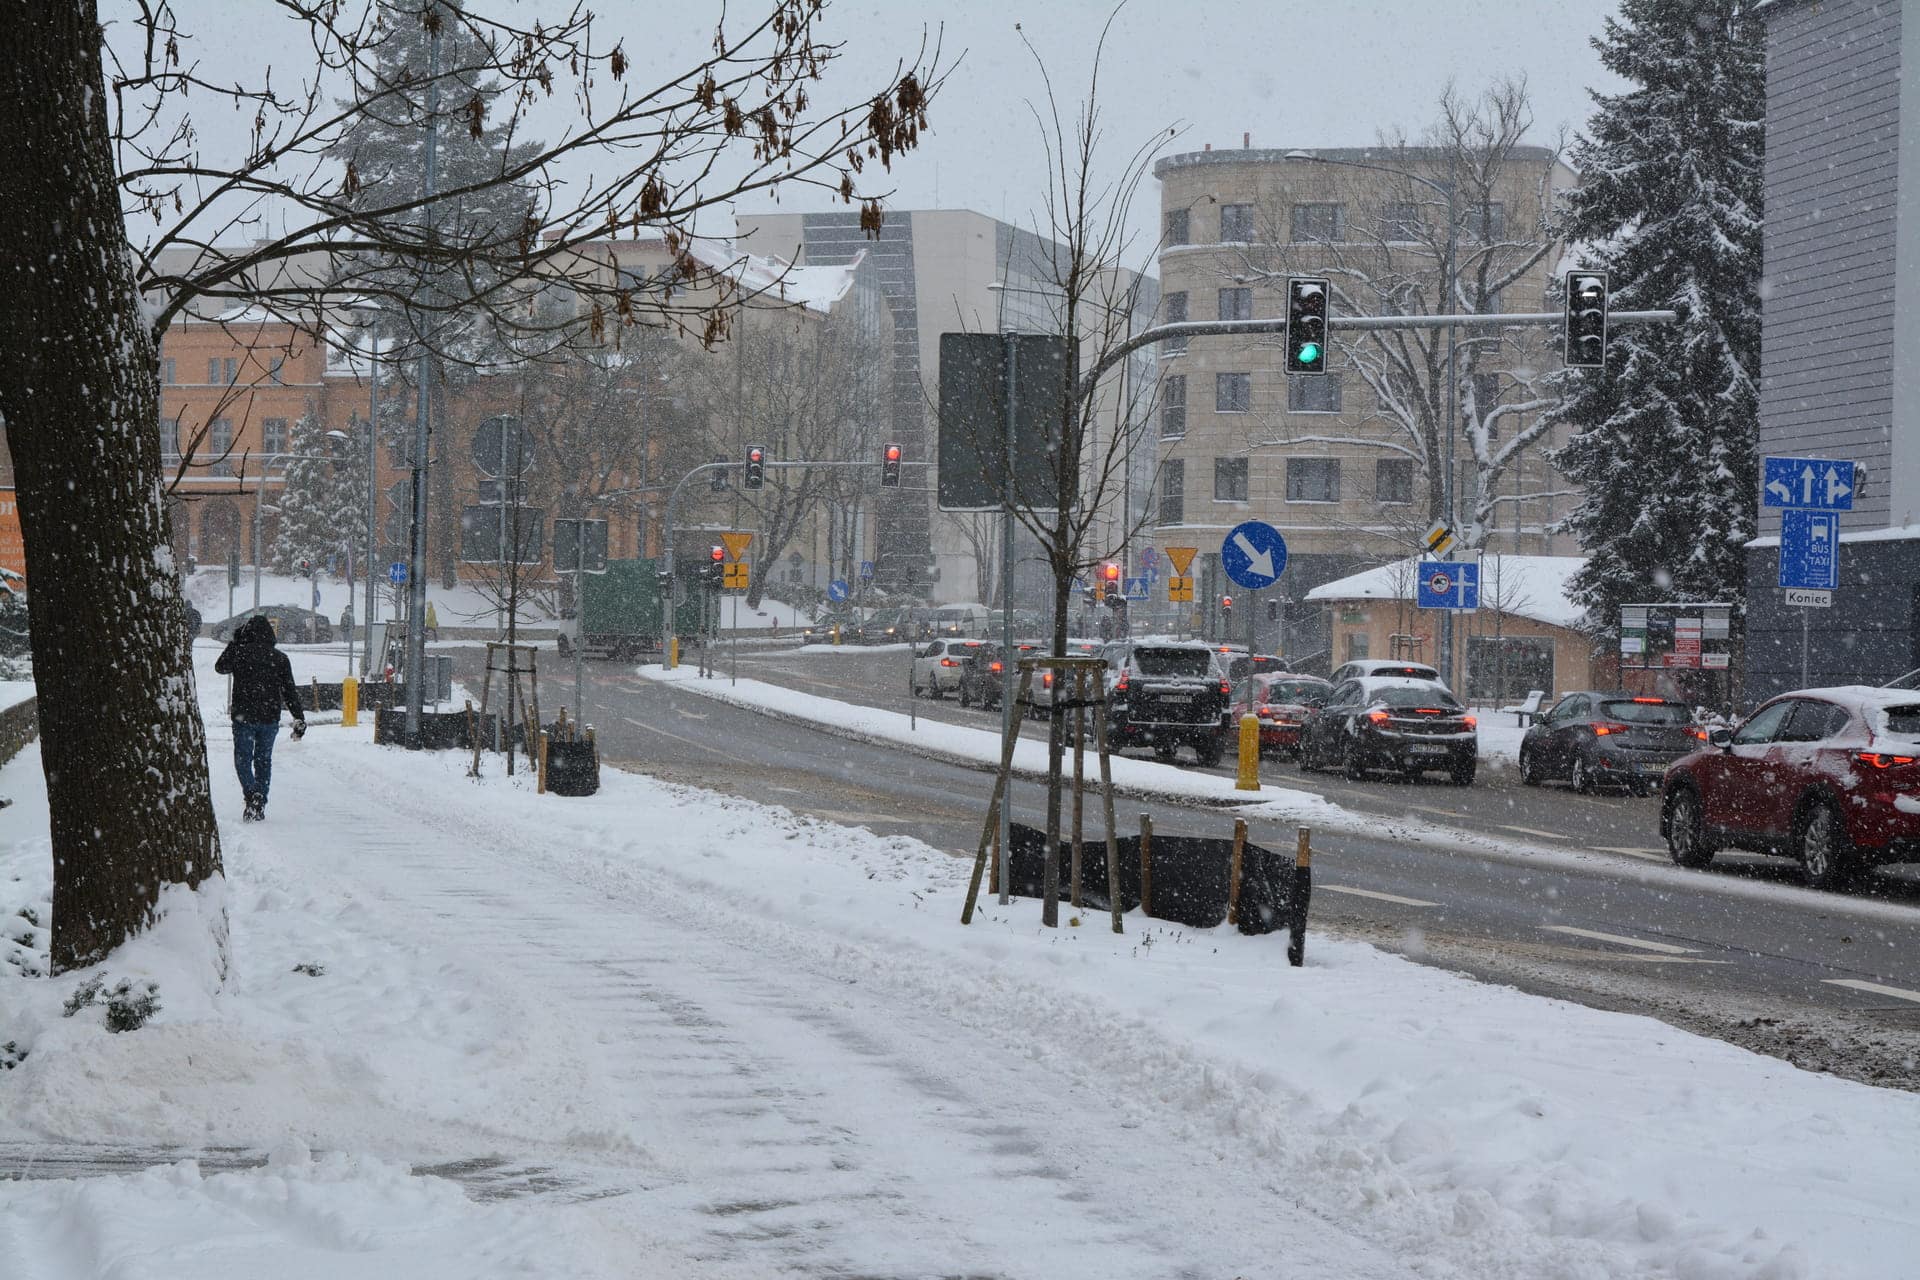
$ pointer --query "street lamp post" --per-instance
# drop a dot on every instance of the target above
(1448, 285)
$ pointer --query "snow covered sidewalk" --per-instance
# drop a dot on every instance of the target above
(698, 1037)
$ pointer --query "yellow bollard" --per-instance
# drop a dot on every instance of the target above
(836, 633)
(673, 652)
(349, 703)
(1249, 779)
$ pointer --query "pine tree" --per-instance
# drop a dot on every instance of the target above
(1669, 203)
(318, 516)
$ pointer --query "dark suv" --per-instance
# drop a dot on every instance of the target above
(1166, 695)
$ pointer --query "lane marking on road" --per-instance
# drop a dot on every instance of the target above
(1529, 831)
(1375, 893)
(1447, 813)
(696, 745)
(1621, 955)
(1664, 948)
(1874, 988)
(1650, 855)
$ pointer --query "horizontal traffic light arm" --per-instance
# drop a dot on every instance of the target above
(1338, 324)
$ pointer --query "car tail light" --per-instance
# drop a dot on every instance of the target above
(1226, 688)
(1652, 702)
(1378, 717)
(1429, 711)
(1472, 722)
(1264, 711)
(948, 662)
(1697, 732)
(1120, 685)
(1881, 760)
(997, 668)
(1046, 679)
(1602, 730)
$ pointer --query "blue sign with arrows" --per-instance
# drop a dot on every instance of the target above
(1448, 584)
(397, 573)
(1253, 555)
(1818, 484)
(837, 590)
(1810, 550)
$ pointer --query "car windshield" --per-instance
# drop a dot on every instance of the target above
(1407, 695)
(1173, 662)
(1644, 711)
(1311, 692)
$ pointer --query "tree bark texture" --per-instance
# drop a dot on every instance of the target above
(122, 743)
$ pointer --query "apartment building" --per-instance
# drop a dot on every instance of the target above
(1339, 463)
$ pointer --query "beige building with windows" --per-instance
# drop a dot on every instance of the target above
(1350, 465)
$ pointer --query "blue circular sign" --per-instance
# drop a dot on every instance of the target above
(397, 573)
(837, 590)
(1253, 554)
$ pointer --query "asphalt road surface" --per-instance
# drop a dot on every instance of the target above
(1740, 951)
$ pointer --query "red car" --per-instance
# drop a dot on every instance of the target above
(1282, 701)
(1828, 776)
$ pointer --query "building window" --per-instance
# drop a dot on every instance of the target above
(1393, 480)
(1319, 222)
(219, 445)
(1173, 407)
(1173, 308)
(1402, 222)
(166, 371)
(1313, 479)
(274, 368)
(1236, 224)
(1485, 222)
(1229, 479)
(273, 435)
(1232, 392)
(170, 437)
(1236, 304)
(1177, 227)
(1173, 491)
(222, 373)
(1314, 394)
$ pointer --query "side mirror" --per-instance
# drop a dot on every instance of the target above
(1721, 737)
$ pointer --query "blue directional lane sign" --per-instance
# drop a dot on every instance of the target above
(1809, 550)
(837, 590)
(1135, 589)
(397, 573)
(1818, 484)
(1253, 554)
(1449, 584)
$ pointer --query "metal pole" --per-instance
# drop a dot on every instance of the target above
(1453, 398)
(500, 617)
(373, 503)
(259, 500)
(1006, 611)
(417, 579)
(579, 613)
(1805, 628)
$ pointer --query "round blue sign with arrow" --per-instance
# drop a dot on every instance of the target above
(1253, 554)
(837, 590)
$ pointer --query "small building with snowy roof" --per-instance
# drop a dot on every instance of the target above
(1528, 633)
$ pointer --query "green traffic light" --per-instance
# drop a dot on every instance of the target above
(1309, 353)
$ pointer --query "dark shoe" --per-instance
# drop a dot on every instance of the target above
(255, 810)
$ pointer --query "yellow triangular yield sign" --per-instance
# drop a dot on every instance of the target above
(736, 543)
(1181, 557)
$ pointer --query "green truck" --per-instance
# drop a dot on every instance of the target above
(620, 615)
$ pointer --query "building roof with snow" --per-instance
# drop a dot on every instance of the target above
(1535, 587)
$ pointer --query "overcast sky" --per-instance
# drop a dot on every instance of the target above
(1294, 73)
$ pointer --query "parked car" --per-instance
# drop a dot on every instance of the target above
(1282, 701)
(1166, 695)
(1828, 776)
(291, 624)
(1391, 722)
(937, 666)
(1593, 739)
(1360, 668)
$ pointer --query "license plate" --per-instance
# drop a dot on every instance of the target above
(1428, 749)
(1175, 699)
(1649, 766)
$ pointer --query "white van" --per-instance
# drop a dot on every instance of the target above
(962, 620)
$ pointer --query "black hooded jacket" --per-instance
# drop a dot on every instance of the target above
(262, 676)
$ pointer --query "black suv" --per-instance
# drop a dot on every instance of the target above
(1167, 694)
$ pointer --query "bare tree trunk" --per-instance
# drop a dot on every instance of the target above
(121, 740)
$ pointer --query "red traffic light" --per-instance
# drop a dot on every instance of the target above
(719, 554)
(893, 453)
(1111, 572)
(1226, 602)
(756, 454)
(890, 466)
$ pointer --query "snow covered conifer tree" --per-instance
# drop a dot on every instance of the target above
(316, 506)
(1669, 204)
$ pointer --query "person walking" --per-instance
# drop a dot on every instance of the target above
(262, 683)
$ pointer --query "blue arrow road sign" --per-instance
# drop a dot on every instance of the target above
(1253, 554)
(397, 573)
(1449, 584)
(837, 590)
(866, 570)
(1820, 484)
(1135, 589)
(1810, 550)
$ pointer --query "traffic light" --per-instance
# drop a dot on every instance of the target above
(1226, 604)
(1586, 319)
(719, 482)
(756, 467)
(890, 467)
(306, 568)
(1306, 325)
(716, 568)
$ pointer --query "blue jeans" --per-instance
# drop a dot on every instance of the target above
(253, 756)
